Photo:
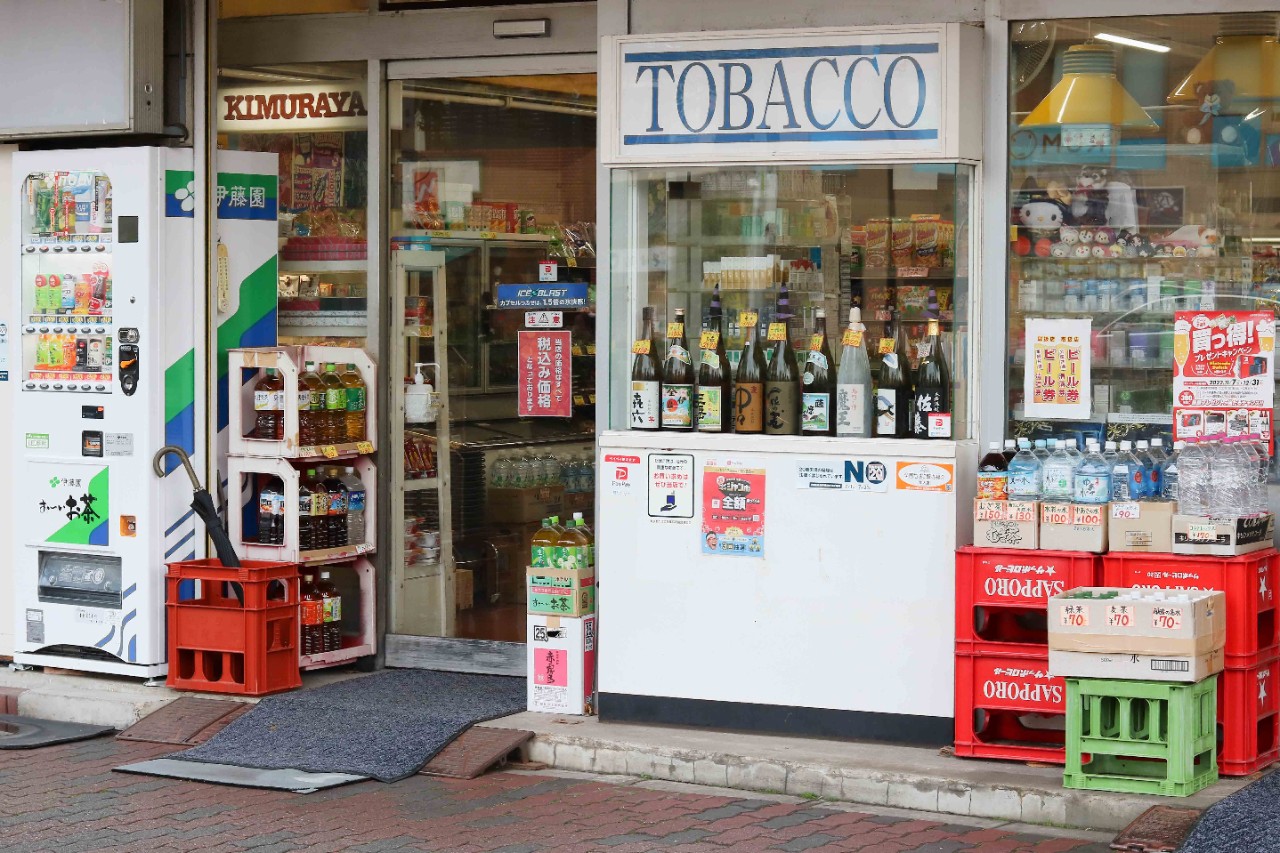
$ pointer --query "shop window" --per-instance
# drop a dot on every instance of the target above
(1144, 181)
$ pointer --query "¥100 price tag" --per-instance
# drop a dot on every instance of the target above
(1073, 616)
(1166, 618)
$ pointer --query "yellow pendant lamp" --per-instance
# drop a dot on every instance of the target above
(1089, 94)
(1246, 53)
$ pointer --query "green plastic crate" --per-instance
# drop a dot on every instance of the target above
(1141, 737)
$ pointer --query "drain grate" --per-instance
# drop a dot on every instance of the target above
(1160, 829)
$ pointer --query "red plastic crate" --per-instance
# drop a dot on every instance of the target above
(223, 643)
(1253, 632)
(1248, 716)
(1009, 707)
(1001, 596)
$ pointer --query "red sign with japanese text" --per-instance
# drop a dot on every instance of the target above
(545, 376)
(1222, 373)
(733, 511)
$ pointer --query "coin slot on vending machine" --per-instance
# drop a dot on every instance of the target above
(129, 361)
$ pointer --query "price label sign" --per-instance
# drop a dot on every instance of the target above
(1166, 618)
(777, 331)
(1073, 616)
(1119, 616)
(1202, 532)
(548, 271)
(748, 319)
(815, 343)
(1055, 513)
(851, 338)
(329, 451)
(363, 447)
(641, 347)
(675, 330)
(708, 340)
(886, 346)
(1127, 510)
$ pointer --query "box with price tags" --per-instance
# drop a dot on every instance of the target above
(1138, 621)
(1141, 526)
(1006, 524)
(1073, 527)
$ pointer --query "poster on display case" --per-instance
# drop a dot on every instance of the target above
(733, 511)
(545, 376)
(1222, 373)
(1056, 380)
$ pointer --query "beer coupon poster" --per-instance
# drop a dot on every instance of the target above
(1222, 373)
(1056, 381)
(733, 511)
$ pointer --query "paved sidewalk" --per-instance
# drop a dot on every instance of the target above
(66, 799)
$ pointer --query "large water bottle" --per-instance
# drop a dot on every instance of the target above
(1264, 470)
(1041, 450)
(1060, 475)
(1076, 456)
(1224, 480)
(1093, 478)
(1026, 475)
(1254, 499)
(1193, 479)
(502, 472)
(1150, 469)
(355, 506)
(1110, 452)
(1127, 475)
(1170, 473)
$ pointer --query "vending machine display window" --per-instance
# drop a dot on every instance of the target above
(757, 249)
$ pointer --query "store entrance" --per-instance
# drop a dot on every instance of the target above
(495, 178)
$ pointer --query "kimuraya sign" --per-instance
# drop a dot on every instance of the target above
(875, 93)
(337, 105)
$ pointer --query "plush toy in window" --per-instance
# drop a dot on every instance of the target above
(1040, 219)
(1089, 198)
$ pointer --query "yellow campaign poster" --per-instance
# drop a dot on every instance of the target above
(1056, 380)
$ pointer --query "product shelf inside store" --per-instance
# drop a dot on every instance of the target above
(361, 613)
(421, 484)
(353, 265)
(929, 273)
(472, 235)
(419, 332)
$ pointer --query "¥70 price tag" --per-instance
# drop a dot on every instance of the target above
(1073, 616)
(1119, 616)
(1166, 618)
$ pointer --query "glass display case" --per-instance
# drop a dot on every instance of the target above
(761, 245)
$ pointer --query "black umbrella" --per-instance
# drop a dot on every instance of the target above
(202, 503)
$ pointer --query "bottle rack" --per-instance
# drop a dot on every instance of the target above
(288, 459)
(290, 361)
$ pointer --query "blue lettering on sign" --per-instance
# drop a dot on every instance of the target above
(543, 295)
(853, 93)
(873, 473)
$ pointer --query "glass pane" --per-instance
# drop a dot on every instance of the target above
(890, 241)
(1154, 194)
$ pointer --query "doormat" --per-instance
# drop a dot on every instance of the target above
(1160, 829)
(475, 751)
(386, 726)
(30, 733)
(295, 781)
(186, 721)
(1246, 820)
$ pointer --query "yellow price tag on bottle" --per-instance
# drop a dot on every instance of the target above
(364, 446)
(675, 330)
(852, 338)
(748, 319)
(709, 340)
(329, 451)
(815, 343)
(777, 331)
(571, 261)
(641, 347)
(886, 346)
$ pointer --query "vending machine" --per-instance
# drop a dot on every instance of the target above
(110, 367)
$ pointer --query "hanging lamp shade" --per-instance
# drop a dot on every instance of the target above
(1089, 94)
(1247, 53)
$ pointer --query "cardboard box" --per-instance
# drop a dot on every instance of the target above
(561, 592)
(1141, 526)
(464, 588)
(1073, 527)
(1222, 537)
(561, 656)
(1138, 621)
(1189, 669)
(522, 506)
(1006, 524)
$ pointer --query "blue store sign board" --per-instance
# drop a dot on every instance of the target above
(543, 296)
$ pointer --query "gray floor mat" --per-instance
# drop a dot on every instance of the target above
(29, 733)
(385, 726)
(296, 781)
(1248, 820)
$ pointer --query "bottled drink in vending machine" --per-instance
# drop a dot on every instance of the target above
(268, 406)
(335, 406)
(357, 401)
(337, 515)
(332, 602)
(310, 405)
(312, 617)
(356, 497)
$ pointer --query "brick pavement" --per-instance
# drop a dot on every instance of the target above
(66, 799)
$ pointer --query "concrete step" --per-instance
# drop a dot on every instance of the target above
(872, 774)
(100, 701)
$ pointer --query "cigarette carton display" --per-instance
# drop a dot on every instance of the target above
(1108, 620)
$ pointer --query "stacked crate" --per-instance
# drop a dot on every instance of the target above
(1007, 704)
(1248, 737)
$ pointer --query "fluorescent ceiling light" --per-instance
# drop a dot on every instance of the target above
(1128, 42)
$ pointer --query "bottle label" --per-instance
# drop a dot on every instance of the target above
(1024, 482)
(335, 399)
(1093, 488)
(641, 347)
(777, 331)
(851, 410)
(815, 412)
(266, 503)
(675, 330)
(1057, 480)
(710, 357)
(304, 400)
(886, 411)
(679, 353)
(337, 503)
(852, 338)
(262, 400)
(817, 358)
(278, 504)
(313, 613)
(781, 408)
(711, 409)
(928, 420)
(993, 485)
(320, 503)
(571, 557)
(891, 360)
(355, 501)
(333, 609)
(540, 556)
(748, 406)
(304, 503)
(644, 405)
(708, 340)
(355, 399)
(677, 406)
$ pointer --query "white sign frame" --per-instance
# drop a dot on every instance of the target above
(959, 51)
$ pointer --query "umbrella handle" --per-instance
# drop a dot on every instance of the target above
(157, 463)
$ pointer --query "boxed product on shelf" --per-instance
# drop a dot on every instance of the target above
(1006, 524)
(1138, 621)
(1222, 537)
(1130, 667)
(1073, 526)
(290, 364)
(522, 506)
(561, 592)
(464, 588)
(1141, 526)
(561, 658)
